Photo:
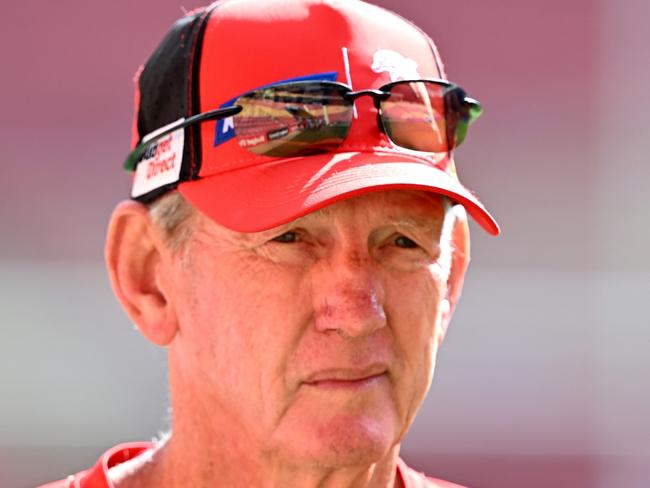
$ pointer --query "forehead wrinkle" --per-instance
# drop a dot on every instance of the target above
(427, 224)
(419, 219)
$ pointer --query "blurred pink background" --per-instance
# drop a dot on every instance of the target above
(541, 379)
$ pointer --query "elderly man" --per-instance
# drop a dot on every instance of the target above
(296, 239)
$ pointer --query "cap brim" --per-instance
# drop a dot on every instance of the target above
(264, 196)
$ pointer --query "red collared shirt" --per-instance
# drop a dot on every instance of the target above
(97, 476)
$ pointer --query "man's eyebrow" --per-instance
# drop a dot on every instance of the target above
(321, 212)
(426, 223)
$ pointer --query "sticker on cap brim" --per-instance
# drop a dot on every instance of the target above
(161, 162)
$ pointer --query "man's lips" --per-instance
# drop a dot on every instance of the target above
(346, 377)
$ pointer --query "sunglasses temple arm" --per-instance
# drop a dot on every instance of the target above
(475, 109)
(220, 113)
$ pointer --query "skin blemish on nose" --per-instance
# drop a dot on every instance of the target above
(349, 305)
(374, 302)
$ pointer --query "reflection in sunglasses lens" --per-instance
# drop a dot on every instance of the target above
(297, 120)
(301, 119)
(414, 116)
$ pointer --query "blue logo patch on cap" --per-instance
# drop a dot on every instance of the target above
(225, 129)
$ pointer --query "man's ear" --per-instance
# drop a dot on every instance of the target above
(459, 262)
(136, 269)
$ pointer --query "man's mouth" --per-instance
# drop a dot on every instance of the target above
(347, 378)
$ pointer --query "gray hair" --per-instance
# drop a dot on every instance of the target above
(173, 215)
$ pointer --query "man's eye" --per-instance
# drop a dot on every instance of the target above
(288, 237)
(405, 242)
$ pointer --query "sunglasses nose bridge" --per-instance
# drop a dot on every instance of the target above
(377, 96)
(366, 129)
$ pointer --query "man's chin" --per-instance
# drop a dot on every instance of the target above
(341, 441)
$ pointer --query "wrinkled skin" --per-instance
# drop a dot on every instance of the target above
(302, 352)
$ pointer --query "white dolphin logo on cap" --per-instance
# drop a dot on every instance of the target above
(398, 67)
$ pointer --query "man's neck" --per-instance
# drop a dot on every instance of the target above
(173, 465)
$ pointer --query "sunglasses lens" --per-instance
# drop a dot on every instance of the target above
(425, 116)
(293, 120)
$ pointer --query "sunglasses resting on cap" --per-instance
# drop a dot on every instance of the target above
(304, 118)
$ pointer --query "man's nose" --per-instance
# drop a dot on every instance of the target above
(350, 296)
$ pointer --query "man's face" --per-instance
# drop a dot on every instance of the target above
(314, 341)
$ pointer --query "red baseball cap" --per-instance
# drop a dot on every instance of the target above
(217, 53)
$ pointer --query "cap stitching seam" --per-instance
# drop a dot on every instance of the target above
(190, 87)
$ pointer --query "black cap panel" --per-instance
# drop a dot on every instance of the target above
(166, 94)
